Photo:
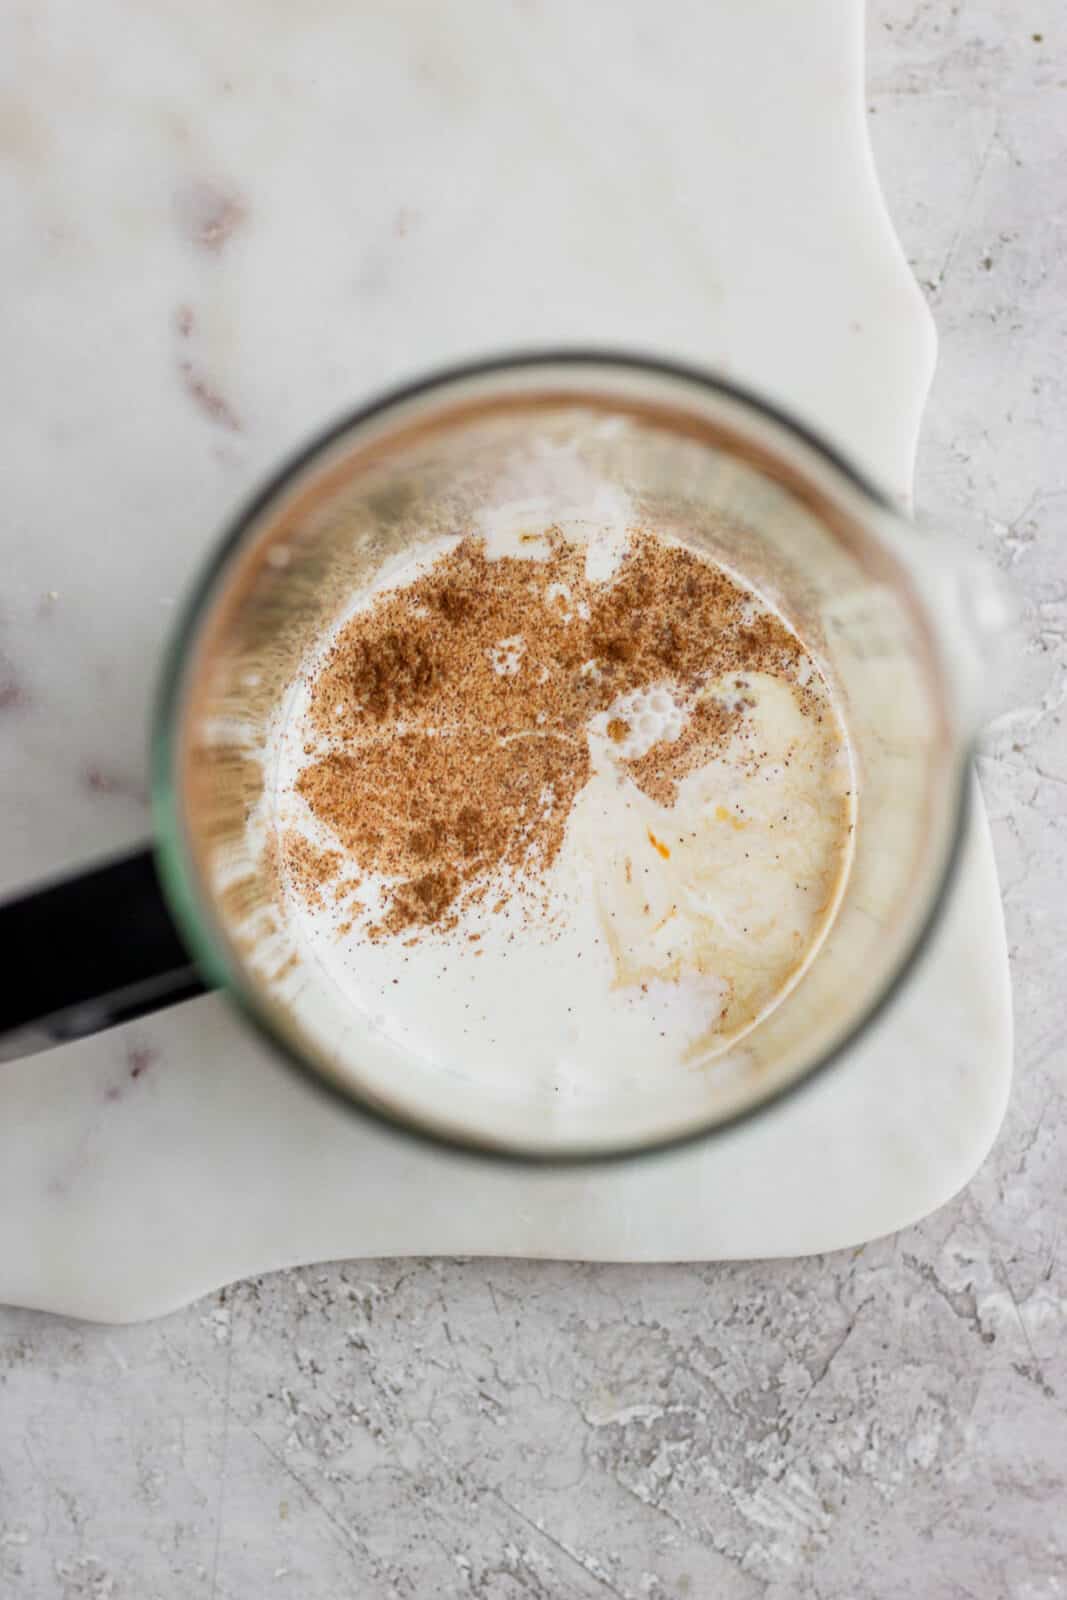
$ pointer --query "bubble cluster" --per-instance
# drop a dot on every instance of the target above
(640, 719)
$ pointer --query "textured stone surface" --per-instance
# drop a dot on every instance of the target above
(885, 1423)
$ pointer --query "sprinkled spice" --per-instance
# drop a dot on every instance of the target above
(313, 869)
(453, 712)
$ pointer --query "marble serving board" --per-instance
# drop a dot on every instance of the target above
(232, 224)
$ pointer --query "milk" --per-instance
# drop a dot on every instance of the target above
(660, 934)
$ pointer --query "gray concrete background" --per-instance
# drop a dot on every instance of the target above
(892, 1422)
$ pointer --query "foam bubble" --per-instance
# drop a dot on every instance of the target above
(650, 716)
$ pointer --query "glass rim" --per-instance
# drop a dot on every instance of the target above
(190, 902)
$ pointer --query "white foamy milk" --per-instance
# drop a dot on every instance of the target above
(663, 932)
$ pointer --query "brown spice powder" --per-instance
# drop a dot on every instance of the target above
(455, 711)
(308, 866)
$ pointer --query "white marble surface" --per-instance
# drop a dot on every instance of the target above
(142, 1168)
(888, 1422)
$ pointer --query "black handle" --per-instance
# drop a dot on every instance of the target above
(92, 950)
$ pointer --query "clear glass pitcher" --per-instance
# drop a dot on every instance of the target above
(898, 629)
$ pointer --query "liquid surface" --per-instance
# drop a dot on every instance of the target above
(567, 800)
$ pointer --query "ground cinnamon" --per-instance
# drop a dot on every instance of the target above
(453, 711)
